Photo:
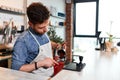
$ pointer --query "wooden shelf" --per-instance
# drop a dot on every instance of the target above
(11, 12)
(58, 17)
(6, 46)
(56, 26)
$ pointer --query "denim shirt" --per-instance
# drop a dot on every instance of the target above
(26, 48)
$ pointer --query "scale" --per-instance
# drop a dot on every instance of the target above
(74, 66)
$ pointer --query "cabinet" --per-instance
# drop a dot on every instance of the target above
(5, 61)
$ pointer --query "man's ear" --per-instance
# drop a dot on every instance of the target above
(31, 25)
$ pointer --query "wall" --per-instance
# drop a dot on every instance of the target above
(59, 5)
(21, 20)
(13, 3)
(11, 9)
(6, 16)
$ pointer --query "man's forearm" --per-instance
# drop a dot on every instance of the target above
(27, 67)
(31, 67)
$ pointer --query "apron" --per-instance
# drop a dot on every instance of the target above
(44, 52)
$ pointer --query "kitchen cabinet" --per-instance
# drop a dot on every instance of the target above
(5, 61)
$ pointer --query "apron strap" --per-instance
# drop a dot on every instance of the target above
(34, 38)
(47, 37)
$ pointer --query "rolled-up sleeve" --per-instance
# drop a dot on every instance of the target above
(19, 55)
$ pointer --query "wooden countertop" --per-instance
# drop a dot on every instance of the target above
(5, 57)
(9, 74)
(6, 46)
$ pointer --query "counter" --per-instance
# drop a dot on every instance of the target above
(5, 61)
(100, 65)
(9, 74)
(5, 57)
(6, 46)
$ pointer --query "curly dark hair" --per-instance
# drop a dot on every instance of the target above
(37, 13)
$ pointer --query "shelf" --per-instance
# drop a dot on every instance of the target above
(11, 12)
(56, 26)
(58, 17)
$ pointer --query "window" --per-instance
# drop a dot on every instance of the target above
(85, 19)
(109, 17)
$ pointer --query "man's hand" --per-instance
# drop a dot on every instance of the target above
(47, 62)
(58, 45)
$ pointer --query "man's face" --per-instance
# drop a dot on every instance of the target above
(41, 28)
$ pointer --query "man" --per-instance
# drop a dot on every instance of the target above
(32, 50)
